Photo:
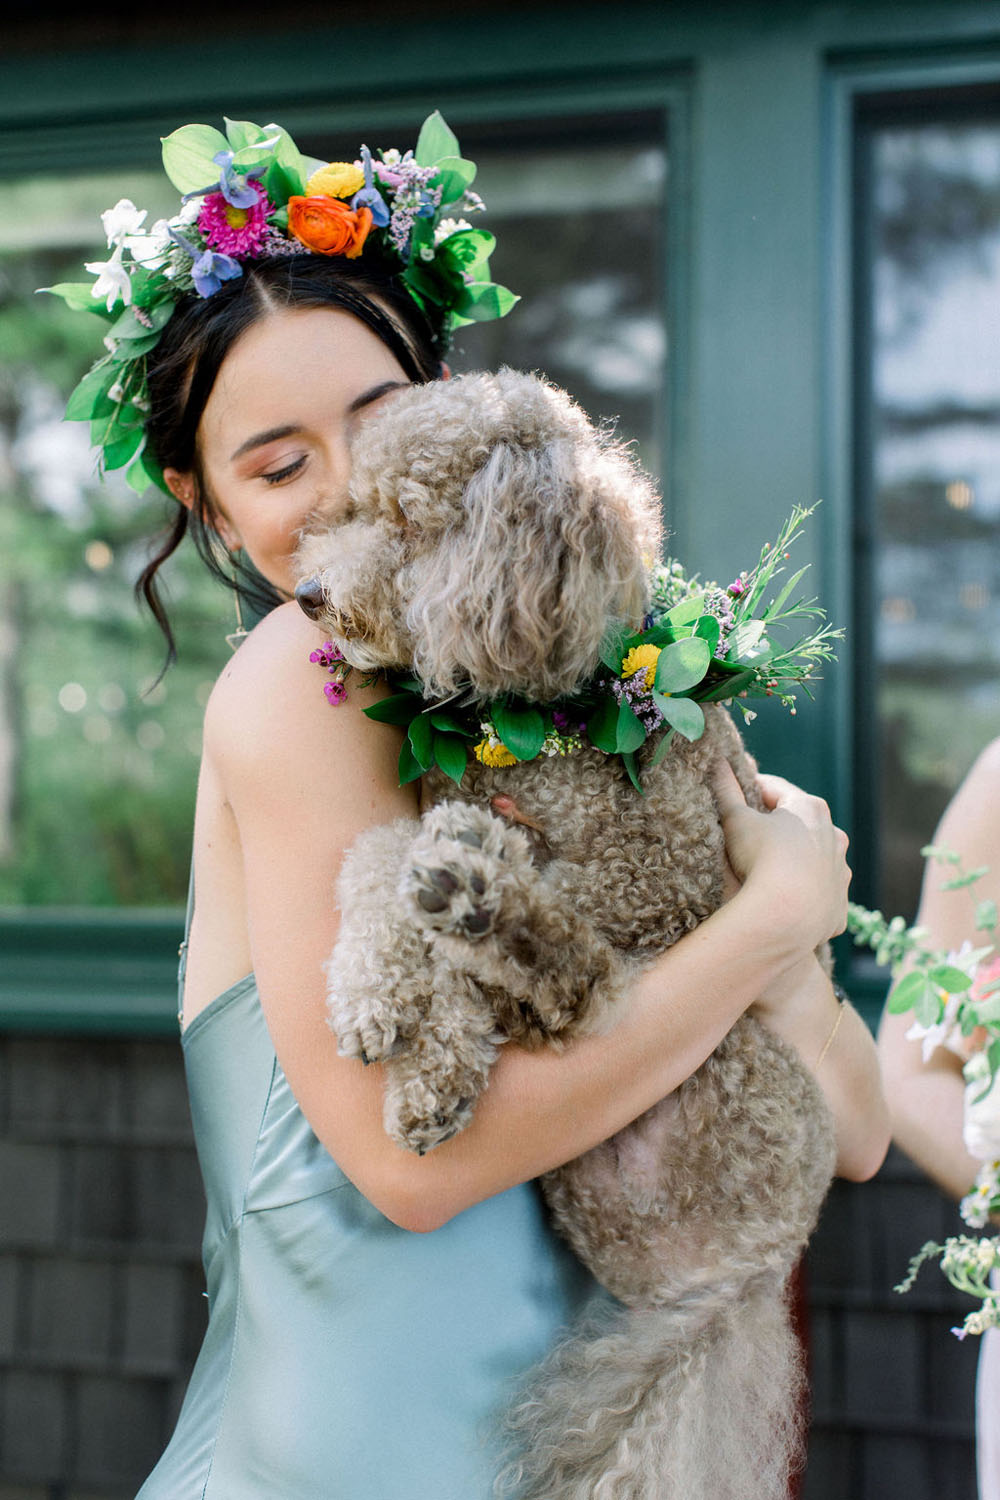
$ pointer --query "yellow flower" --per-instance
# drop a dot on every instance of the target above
(339, 179)
(493, 755)
(642, 659)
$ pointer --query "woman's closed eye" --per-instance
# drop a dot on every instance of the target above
(275, 476)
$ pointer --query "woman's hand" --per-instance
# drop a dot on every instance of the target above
(792, 856)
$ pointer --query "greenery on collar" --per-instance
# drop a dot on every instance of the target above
(701, 643)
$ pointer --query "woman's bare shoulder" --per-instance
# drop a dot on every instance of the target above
(268, 710)
(971, 824)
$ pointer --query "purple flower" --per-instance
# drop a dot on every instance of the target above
(233, 187)
(208, 270)
(369, 196)
(335, 692)
(328, 655)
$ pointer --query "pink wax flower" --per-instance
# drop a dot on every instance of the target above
(235, 231)
(737, 587)
(335, 692)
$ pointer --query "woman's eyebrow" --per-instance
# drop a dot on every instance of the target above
(274, 434)
(260, 438)
(377, 391)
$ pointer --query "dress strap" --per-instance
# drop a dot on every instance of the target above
(182, 950)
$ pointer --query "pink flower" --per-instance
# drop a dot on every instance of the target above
(328, 655)
(335, 692)
(737, 587)
(985, 977)
(235, 231)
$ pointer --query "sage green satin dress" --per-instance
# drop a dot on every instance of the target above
(345, 1358)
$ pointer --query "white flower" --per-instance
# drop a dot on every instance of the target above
(122, 220)
(448, 227)
(112, 280)
(150, 249)
(943, 1033)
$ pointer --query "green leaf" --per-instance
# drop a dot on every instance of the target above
(485, 300)
(409, 767)
(776, 604)
(451, 753)
(602, 726)
(986, 916)
(124, 448)
(665, 742)
(140, 475)
(521, 729)
(686, 611)
(628, 760)
(90, 397)
(709, 630)
(447, 722)
(947, 977)
(466, 250)
(240, 133)
(613, 648)
(455, 175)
(421, 736)
(743, 639)
(682, 665)
(631, 731)
(435, 141)
(729, 689)
(910, 992)
(187, 156)
(682, 714)
(961, 882)
(398, 708)
(79, 295)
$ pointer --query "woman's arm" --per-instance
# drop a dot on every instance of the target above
(302, 781)
(800, 1006)
(926, 1100)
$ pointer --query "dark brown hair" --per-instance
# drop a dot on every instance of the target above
(186, 362)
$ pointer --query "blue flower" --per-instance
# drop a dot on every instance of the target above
(369, 196)
(209, 269)
(233, 187)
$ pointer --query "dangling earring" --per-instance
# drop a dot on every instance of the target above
(237, 636)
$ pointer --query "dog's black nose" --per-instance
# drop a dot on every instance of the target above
(309, 595)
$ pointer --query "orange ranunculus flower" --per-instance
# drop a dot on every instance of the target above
(328, 226)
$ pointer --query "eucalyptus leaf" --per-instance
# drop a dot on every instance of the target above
(521, 729)
(743, 639)
(687, 610)
(682, 714)
(709, 629)
(729, 689)
(452, 754)
(435, 141)
(682, 664)
(188, 156)
(613, 648)
(666, 740)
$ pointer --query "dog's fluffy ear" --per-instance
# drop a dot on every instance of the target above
(551, 545)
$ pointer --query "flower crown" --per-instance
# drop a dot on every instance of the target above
(700, 643)
(251, 195)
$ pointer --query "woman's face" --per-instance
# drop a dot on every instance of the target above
(274, 436)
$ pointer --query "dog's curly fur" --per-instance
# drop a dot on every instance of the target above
(492, 537)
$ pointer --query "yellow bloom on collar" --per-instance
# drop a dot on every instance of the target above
(642, 659)
(493, 755)
(338, 179)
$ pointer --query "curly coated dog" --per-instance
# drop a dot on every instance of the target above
(492, 537)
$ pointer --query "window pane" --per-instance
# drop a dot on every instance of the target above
(97, 774)
(935, 477)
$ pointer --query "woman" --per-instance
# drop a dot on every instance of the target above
(370, 1308)
(927, 1099)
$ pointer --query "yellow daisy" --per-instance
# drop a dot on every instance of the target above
(642, 659)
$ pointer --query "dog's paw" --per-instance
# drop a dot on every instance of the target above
(460, 869)
(416, 1127)
(369, 1036)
